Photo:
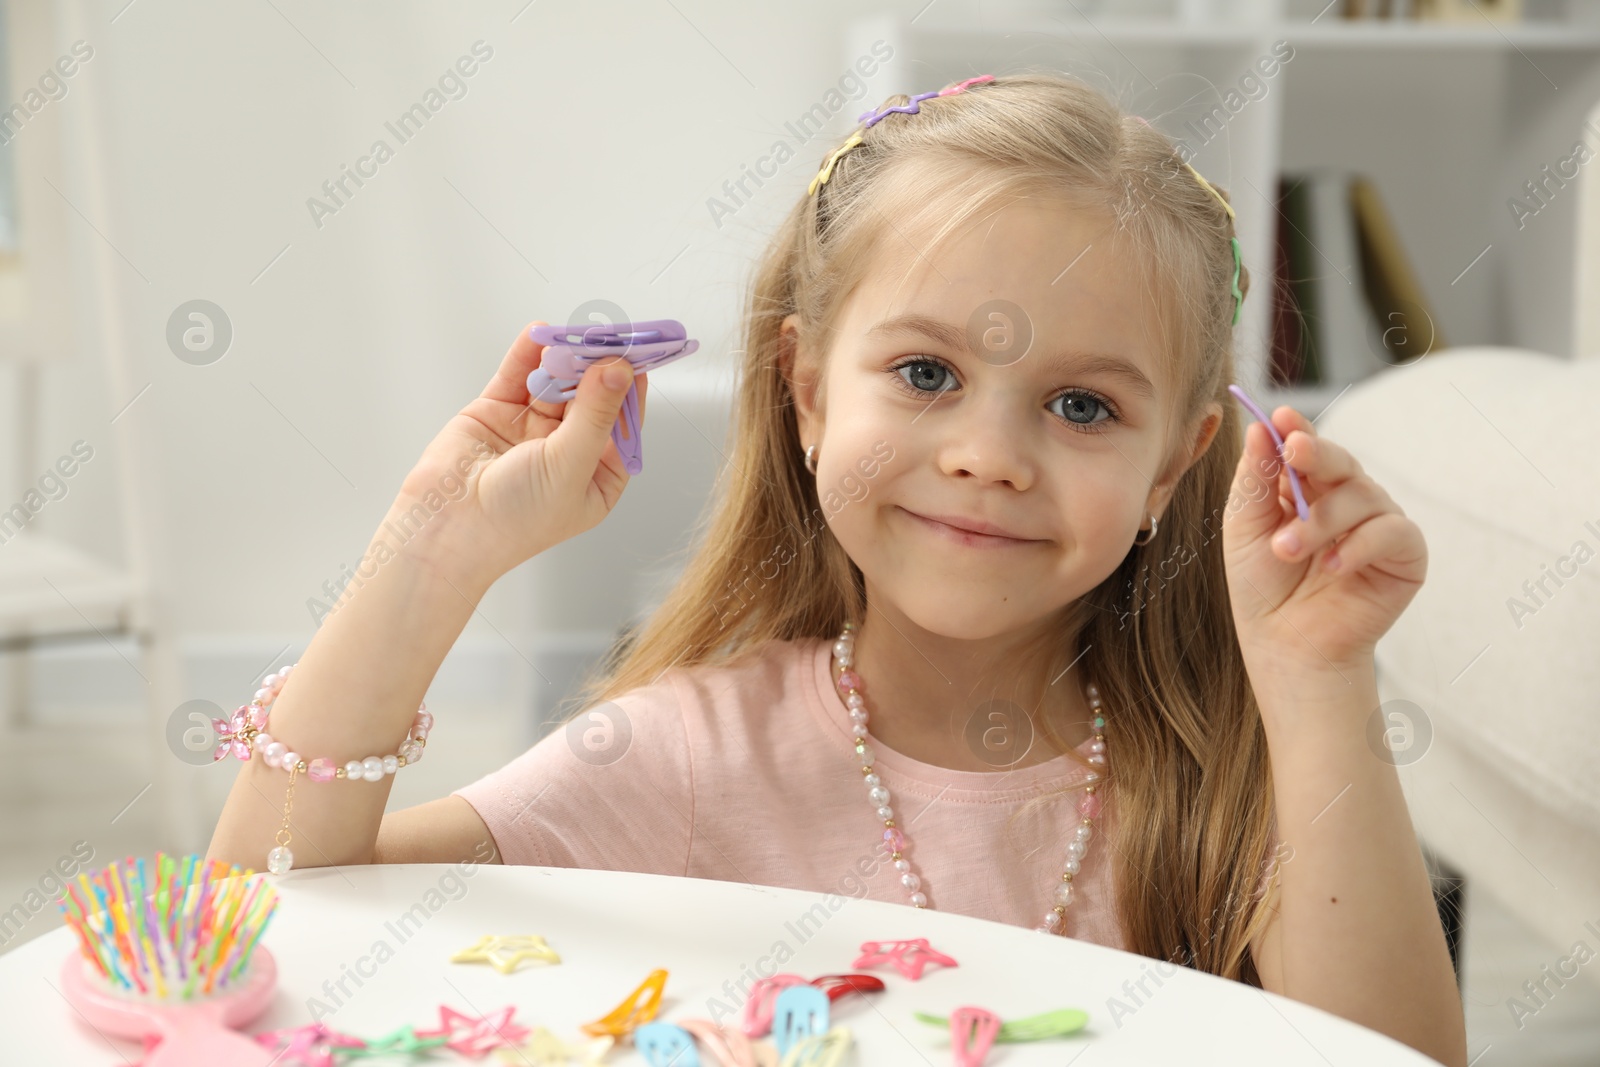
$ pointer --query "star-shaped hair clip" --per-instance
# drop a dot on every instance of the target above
(545, 1049)
(313, 1045)
(474, 1036)
(910, 958)
(402, 1042)
(506, 952)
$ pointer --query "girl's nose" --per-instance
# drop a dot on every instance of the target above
(988, 443)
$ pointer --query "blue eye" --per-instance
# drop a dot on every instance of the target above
(1084, 403)
(930, 377)
(925, 369)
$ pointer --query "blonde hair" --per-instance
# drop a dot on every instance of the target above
(1196, 803)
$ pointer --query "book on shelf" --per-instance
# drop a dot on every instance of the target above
(1345, 300)
(1478, 11)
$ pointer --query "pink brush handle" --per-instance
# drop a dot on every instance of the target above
(193, 1033)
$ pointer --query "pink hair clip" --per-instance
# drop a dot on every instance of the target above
(914, 106)
(910, 958)
(759, 1008)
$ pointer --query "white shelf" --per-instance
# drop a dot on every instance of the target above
(1329, 33)
(1449, 120)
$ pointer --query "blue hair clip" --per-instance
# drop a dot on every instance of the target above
(801, 1011)
(666, 1045)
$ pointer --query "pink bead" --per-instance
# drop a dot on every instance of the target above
(1089, 805)
(851, 680)
(894, 839)
(321, 770)
(425, 720)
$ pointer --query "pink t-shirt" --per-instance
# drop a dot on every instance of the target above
(748, 773)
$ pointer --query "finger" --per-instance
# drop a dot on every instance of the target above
(510, 381)
(1322, 461)
(1391, 542)
(577, 444)
(1254, 507)
(1332, 515)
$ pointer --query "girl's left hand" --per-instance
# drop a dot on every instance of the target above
(1320, 607)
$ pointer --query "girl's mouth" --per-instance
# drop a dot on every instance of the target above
(968, 538)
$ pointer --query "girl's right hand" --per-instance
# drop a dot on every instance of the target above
(537, 473)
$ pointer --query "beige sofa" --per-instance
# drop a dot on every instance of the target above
(1493, 672)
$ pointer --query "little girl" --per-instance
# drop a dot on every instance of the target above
(961, 632)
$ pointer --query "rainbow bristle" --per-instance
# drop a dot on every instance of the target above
(171, 930)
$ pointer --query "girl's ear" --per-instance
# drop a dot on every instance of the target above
(799, 371)
(1209, 423)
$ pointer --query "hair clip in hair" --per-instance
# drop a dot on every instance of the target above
(570, 350)
(1261, 417)
(1238, 294)
(1212, 190)
(826, 172)
(914, 105)
(964, 86)
(872, 118)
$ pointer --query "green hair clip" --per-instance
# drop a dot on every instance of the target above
(1238, 297)
(1034, 1028)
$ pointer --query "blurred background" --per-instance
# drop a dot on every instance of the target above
(253, 257)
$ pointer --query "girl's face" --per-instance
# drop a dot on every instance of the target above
(1018, 375)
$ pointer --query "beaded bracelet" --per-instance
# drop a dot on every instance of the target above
(245, 733)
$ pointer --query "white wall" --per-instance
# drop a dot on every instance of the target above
(577, 165)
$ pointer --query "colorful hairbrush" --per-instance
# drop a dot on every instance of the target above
(570, 350)
(169, 955)
(1261, 417)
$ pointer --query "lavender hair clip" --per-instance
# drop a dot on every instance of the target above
(872, 118)
(1261, 417)
(570, 350)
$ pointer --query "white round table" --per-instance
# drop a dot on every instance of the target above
(387, 933)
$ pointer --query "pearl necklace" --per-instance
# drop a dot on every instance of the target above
(851, 686)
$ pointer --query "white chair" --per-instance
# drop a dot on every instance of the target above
(1491, 452)
(51, 591)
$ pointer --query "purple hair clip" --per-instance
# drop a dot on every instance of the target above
(872, 118)
(1261, 417)
(570, 350)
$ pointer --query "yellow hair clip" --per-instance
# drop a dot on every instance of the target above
(1203, 183)
(1227, 206)
(628, 1016)
(827, 168)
